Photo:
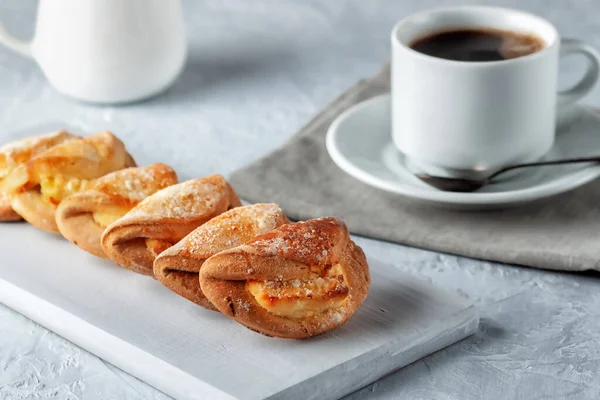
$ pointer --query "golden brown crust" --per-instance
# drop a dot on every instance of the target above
(15, 153)
(35, 210)
(166, 217)
(177, 268)
(129, 161)
(290, 252)
(80, 159)
(115, 193)
(6, 211)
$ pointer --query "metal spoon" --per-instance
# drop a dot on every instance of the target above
(470, 185)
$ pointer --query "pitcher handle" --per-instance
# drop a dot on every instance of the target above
(17, 45)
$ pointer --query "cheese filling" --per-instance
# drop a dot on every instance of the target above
(106, 217)
(157, 246)
(56, 188)
(301, 298)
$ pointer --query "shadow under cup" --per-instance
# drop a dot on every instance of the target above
(459, 118)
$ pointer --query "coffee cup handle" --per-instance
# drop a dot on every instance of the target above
(17, 45)
(589, 79)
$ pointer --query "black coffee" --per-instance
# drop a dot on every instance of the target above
(478, 45)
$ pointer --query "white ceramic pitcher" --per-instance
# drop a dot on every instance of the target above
(107, 51)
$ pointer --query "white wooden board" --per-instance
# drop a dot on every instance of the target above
(187, 352)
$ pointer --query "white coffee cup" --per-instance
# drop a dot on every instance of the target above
(458, 117)
(107, 51)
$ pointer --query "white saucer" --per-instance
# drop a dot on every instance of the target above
(359, 142)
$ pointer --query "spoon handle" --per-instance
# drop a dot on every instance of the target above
(549, 162)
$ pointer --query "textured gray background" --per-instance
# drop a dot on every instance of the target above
(258, 70)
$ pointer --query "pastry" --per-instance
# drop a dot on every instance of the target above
(163, 219)
(82, 217)
(178, 267)
(296, 281)
(16, 153)
(37, 186)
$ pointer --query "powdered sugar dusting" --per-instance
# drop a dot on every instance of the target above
(190, 199)
(307, 242)
(274, 246)
(135, 184)
(267, 216)
(233, 228)
(244, 305)
(334, 317)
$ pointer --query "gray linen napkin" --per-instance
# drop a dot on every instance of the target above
(561, 233)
